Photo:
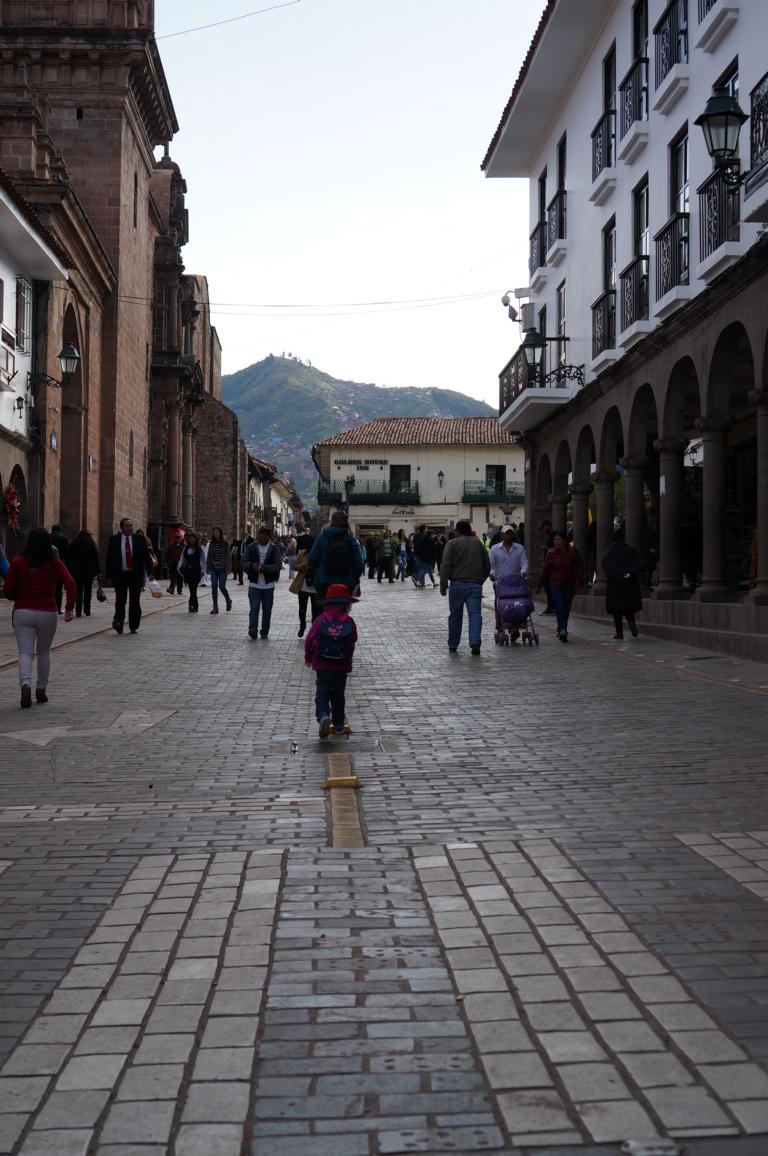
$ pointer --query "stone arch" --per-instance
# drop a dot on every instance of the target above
(643, 427)
(611, 440)
(563, 468)
(72, 462)
(682, 402)
(731, 374)
(586, 456)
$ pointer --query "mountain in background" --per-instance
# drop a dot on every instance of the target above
(285, 405)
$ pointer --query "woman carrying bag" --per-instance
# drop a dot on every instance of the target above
(303, 583)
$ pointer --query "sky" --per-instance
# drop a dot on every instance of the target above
(332, 153)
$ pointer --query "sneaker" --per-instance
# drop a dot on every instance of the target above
(26, 696)
(453, 649)
(253, 634)
(475, 649)
(618, 638)
(40, 695)
(340, 730)
(264, 634)
(325, 727)
(563, 636)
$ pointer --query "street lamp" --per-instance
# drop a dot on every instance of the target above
(721, 123)
(533, 349)
(69, 359)
(440, 478)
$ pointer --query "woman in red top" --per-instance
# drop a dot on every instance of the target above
(563, 573)
(31, 586)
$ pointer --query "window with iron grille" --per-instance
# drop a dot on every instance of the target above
(23, 315)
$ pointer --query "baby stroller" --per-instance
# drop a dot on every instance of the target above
(514, 607)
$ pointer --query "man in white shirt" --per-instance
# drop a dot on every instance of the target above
(508, 557)
(262, 565)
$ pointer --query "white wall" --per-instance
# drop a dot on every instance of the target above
(581, 108)
(9, 414)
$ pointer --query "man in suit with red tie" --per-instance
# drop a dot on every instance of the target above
(126, 565)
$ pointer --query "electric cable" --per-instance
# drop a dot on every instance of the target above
(230, 20)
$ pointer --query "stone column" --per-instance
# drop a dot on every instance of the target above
(713, 438)
(760, 593)
(187, 493)
(559, 507)
(604, 483)
(634, 507)
(670, 584)
(173, 487)
(580, 506)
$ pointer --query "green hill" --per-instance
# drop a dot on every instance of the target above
(284, 406)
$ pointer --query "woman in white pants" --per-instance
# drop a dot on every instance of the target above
(31, 586)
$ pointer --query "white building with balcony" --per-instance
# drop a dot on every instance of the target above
(648, 276)
(399, 473)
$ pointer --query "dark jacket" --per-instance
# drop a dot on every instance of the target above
(113, 563)
(319, 552)
(622, 564)
(173, 553)
(192, 563)
(61, 543)
(83, 558)
(273, 563)
(424, 548)
(563, 568)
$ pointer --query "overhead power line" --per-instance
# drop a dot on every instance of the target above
(231, 20)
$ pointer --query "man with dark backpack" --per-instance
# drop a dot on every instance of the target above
(335, 557)
(328, 649)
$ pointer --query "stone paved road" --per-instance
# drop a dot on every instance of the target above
(543, 927)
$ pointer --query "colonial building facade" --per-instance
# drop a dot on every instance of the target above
(138, 428)
(397, 473)
(648, 277)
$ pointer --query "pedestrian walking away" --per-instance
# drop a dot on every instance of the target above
(328, 649)
(623, 566)
(172, 554)
(31, 585)
(563, 573)
(192, 568)
(84, 565)
(371, 549)
(386, 559)
(262, 565)
(126, 566)
(335, 557)
(60, 544)
(424, 554)
(217, 564)
(463, 570)
(303, 583)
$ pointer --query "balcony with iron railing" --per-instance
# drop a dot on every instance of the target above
(603, 157)
(556, 228)
(537, 249)
(633, 110)
(528, 394)
(604, 323)
(716, 17)
(635, 292)
(672, 264)
(705, 7)
(490, 493)
(371, 492)
(671, 72)
(756, 185)
(719, 213)
(330, 494)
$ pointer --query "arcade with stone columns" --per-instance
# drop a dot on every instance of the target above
(674, 438)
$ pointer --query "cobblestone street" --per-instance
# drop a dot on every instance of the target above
(540, 926)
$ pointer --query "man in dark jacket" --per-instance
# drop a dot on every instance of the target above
(335, 556)
(261, 565)
(424, 553)
(173, 553)
(61, 545)
(126, 565)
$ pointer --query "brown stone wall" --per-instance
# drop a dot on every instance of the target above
(219, 477)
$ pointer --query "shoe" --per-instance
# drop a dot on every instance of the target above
(229, 605)
(563, 636)
(133, 629)
(475, 650)
(78, 614)
(302, 628)
(253, 633)
(215, 610)
(347, 729)
(414, 581)
(618, 638)
(339, 730)
(547, 612)
(118, 626)
(452, 649)
(325, 727)
(26, 696)
(263, 634)
(87, 613)
(40, 695)
(633, 630)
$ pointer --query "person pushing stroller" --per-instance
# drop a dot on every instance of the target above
(509, 567)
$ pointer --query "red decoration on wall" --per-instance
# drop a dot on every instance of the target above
(12, 508)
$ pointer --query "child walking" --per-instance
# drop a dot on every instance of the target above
(328, 649)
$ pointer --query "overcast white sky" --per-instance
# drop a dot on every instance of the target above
(332, 151)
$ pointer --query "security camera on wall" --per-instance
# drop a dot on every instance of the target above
(505, 299)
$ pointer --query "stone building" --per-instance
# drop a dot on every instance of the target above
(641, 386)
(84, 104)
(397, 473)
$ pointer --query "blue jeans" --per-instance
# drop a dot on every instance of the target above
(329, 696)
(561, 600)
(459, 595)
(419, 571)
(218, 582)
(260, 598)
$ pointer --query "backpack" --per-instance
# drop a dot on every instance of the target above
(338, 558)
(335, 637)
